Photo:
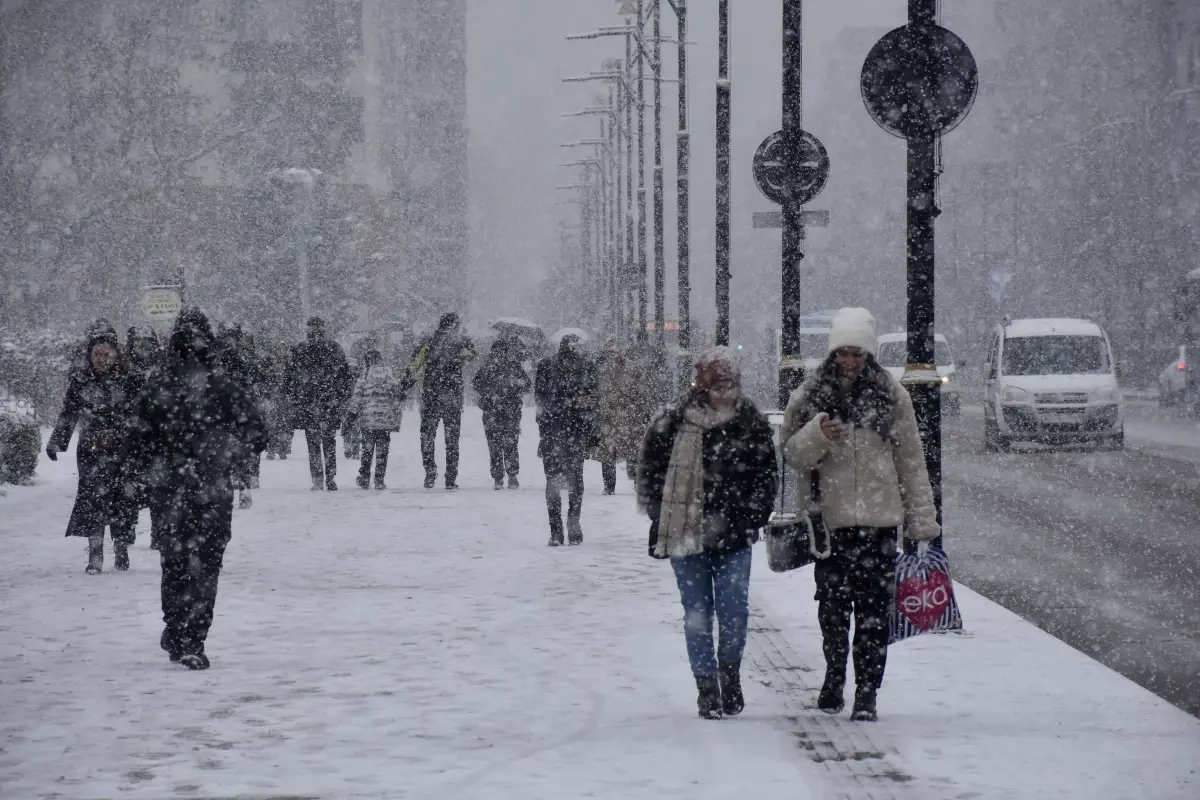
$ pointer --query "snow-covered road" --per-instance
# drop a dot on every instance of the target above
(413, 644)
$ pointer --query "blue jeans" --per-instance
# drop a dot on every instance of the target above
(714, 583)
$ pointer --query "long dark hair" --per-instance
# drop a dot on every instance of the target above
(870, 402)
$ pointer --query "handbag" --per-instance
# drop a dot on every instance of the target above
(796, 540)
(924, 601)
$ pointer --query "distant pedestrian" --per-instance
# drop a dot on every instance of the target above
(854, 424)
(621, 424)
(145, 357)
(237, 361)
(319, 386)
(194, 428)
(100, 396)
(501, 384)
(707, 479)
(273, 401)
(440, 360)
(376, 408)
(565, 388)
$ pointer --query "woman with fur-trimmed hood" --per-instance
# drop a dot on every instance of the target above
(854, 425)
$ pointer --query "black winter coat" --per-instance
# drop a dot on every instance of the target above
(441, 359)
(319, 383)
(741, 471)
(102, 407)
(566, 390)
(501, 383)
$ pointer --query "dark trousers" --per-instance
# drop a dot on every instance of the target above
(609, 471)
(503, 434)
(321, 441)
(563, 473)
(858, 579)
(451, 419)
(194, 538)
(375, 444)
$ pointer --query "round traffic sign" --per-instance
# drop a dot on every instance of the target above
(919, 82)
(770, 169)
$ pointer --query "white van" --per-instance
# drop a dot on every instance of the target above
(893, 356)
(1051, 381)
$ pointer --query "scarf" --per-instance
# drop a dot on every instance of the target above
(869, 402)
(681, 528)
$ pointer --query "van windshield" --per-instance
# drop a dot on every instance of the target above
(894, 354)
(1056, 355)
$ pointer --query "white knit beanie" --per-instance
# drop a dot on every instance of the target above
(853, 327)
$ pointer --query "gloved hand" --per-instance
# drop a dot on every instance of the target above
(51, 452)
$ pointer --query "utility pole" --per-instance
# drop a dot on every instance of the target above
(641, 157)
(660, 266)
(629, 101)
(683, 148)
(791, 368)
(723, 177)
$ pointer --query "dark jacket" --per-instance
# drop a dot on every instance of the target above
(194, 425)
(501, 382)
(319, 383)
(740, 470)
(566, 391)
(102, 407)
(441, 359)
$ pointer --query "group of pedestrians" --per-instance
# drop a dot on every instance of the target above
(707, 479)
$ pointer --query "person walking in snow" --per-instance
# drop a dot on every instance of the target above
(99, 399)
(145, 356)
(565, 389)
(194, 428)
(376, 408)
(441, 359)
(707, 479)
(273, 401)
(621, 427)
(319, 385)
(238, 362)
(853, 424)
(500, 385)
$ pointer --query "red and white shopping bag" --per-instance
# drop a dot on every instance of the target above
(924, 595)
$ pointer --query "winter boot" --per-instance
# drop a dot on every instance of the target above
(379, 484)
(330, 485)
(254, 482)
(730, 674)
(708, 700)
(499, 484)
(513, 483)
(451, 484)
(556, 530)
(270, 456)
(120, 556)
(194, 661)
(316, 487)
(245, 499)
(574, 531)
(832, 698)
(95, 555)
(169, 647)
(430, 480)
(363, 482)
(864, 705)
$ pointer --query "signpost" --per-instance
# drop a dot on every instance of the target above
(919, 82)
(770, 170)
(161, 303)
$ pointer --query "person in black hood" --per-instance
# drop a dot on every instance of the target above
(501, 383)
(441, 358)
(319, 387)
(238, 362)
(145, 356)
(99, 398)
(565, 387)
(194, 427)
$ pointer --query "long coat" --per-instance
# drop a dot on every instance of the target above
(621, 421)
(565, 389)
(441, 359)
(102, 407)
(501, 384)
(377, 403)
(319, 383)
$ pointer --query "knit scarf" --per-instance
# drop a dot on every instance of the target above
(681, 528)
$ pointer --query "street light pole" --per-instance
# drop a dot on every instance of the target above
(724, 91)
(629, 101)
(660, 266)
(683, 148)
(641, 150)
(791, 367)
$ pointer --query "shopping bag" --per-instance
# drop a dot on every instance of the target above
(794, 541)
(924, 600)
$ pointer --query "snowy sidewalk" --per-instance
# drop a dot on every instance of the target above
(413, 644)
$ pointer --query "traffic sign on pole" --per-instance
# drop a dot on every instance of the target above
(774, 219)
(770, 173)
(161, 303)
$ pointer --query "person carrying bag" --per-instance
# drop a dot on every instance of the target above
(854, 425)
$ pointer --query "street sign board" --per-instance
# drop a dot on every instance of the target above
(770, 171)
(919, 81)
(774, 219)
(161, 303)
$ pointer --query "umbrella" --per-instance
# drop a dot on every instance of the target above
(558, 335)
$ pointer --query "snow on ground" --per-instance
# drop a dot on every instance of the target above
(412, 644)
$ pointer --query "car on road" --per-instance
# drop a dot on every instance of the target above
(1174, 381)
(1051, 381)
(893, 356)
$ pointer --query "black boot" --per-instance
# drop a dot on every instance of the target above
(732, 701)
(556, 529)
(708, 699)
(95, 555)
(832, 698)
(169, 647)
(574, 531)
(864, 705)
(120, 556)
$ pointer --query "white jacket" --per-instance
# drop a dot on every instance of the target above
(866, 480)
(378, 400)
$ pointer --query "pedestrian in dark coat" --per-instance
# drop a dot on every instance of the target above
(145, 356)
(319, 388)
(99, 398)
(440, 359)
(565, 387)
(376, 408)
(194, 427)
(501, 384)
(237, 362)
(707, 479)
(273, 401)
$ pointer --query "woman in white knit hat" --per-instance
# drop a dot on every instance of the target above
(853, 424)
